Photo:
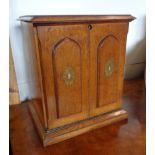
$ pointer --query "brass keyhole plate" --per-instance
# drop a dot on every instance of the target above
(69, 76)
(109, 67)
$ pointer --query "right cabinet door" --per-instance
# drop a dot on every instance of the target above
(107, 53)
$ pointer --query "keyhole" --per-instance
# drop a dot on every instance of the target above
(90, 27)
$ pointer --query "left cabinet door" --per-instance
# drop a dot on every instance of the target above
(64, 68)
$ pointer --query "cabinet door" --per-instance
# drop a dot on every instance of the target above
(64, 63)
(107, 52)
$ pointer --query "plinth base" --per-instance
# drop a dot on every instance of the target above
(68, 131)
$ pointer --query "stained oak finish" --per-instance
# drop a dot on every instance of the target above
(38, 19)
(116, 139)
(70, 130)
(68, 49)
(107, 43)
(78, 62)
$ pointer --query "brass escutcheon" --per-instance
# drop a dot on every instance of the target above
(69, 76)
(109, 67)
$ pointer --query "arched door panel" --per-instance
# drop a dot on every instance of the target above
(67, 67)
(107, 71)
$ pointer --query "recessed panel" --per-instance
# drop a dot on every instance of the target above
(107, 71)
(67, 77)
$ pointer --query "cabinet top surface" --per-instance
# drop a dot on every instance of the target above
(75, 18)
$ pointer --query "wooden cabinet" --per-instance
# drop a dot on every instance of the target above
(80, 64)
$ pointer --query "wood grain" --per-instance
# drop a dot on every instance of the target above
(116, 139)
(70, 59)
(68, 48)
(64, 132)
(107, 41)
(76, 18)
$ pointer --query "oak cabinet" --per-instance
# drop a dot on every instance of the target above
(80, 64)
